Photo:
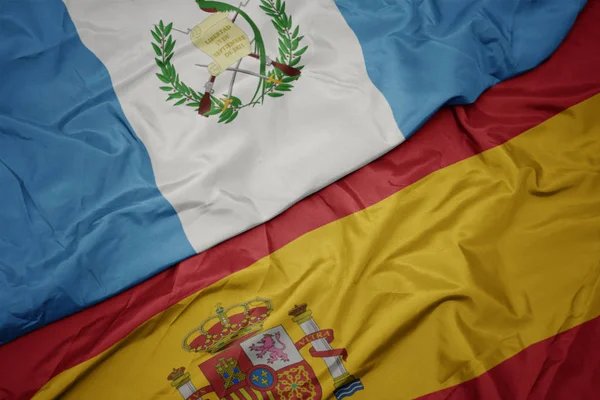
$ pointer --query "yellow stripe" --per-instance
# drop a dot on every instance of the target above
(426, 289)
(257, 394)
(270, 395)
(245, 394)
(234, 396)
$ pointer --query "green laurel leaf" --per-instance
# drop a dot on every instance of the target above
(284, 87)
(295, 43)
(175, 95)
(168, 29)
(236, 101)
(279, 28)
(180, 102)
(226, 114)
(155, 36)
(162, 78)
(301, 51)
(170, 45)
(156, 49)
(167, 72)
(213, 111)
(279, 20)
(283, 46)
(274, 94)
(217, 101)
(233, 116)
(296, 31)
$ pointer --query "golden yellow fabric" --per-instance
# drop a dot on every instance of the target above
(426, 289)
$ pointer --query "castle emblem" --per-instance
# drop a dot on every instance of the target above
(230, 372)
(248, 362)
(226, 44)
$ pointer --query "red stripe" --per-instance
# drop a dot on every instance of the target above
(505, 111)
(566, 366)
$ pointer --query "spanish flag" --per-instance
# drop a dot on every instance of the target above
(465, 264)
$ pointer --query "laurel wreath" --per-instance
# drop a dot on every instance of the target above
(289, 50)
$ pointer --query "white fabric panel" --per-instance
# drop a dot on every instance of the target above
(224, 179)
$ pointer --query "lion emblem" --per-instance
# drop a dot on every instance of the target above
(269, 345)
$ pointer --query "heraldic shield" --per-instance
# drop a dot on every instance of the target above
(267, 365)
(248, 362)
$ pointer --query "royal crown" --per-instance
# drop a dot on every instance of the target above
(179, 377)
(228, 325)
(176, 373)
(298, 310)
(300, 313)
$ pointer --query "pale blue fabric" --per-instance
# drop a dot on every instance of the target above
(422, 54)
(81, 217)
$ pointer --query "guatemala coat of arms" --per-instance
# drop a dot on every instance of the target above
(247, 362)
(222, 39)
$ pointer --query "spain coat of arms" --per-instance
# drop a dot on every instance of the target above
(227, 44)
(248, 362)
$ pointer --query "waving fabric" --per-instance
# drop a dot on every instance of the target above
(461, 265)
(136, 134)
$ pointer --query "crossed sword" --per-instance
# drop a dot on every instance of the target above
(208, 86)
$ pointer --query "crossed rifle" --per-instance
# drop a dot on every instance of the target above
(205, 103)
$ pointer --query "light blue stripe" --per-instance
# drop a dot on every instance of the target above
(422, 54)
(81, 218)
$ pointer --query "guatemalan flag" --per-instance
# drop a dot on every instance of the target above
(134, 134)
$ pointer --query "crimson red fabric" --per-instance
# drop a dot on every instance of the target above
(566, 366)
(570, 76)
